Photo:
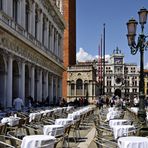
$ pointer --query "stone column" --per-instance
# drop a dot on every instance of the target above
(75, 90)
(22, 82)
(68, 88)
(39, 87)
(46, 85)
(90, 87)
(9, 83)
(51, 94)
(32, 82)
(94, 89)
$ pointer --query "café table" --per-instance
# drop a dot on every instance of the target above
(53, 130)
(122, 130)
(63, 121)
(114, 122)
(12, 121)
(133, 142)
(112, 115)
(35, 141)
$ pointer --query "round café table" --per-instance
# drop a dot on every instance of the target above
(133, 142)
(35, 141)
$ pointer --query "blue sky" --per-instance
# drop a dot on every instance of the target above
(92, 14)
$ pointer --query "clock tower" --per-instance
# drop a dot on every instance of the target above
(117, 59)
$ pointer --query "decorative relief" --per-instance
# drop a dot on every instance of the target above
(14, 45)
(75, 76)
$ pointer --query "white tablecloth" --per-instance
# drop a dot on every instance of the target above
(12, 121)
(133, 142)
(112, 115)
(35, 141)
(53, 130)
(35, 116)
(135, 109)
(63, 121)
(117, 122)
(122, 130)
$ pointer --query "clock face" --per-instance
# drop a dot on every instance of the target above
(118, 80)
(118, 60)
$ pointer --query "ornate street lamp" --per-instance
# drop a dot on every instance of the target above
(141, 45)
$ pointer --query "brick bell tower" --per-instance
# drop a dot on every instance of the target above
(69, 52)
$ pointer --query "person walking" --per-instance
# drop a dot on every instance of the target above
(18, 104)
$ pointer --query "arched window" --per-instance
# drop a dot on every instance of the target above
(79, 86)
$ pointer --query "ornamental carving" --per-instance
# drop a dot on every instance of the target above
(79, 75)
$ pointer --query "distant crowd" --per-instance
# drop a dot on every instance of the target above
(118, 101)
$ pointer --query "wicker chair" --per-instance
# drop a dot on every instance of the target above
(104, 143)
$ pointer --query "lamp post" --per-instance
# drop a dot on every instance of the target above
(141, 45)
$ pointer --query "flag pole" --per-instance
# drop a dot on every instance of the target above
(104, 59)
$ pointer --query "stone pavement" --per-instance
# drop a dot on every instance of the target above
(89, 141)
(87, 132)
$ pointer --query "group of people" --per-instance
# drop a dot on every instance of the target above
(112, 101)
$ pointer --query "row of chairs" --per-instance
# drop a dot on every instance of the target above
(104, 134)
(12, 136)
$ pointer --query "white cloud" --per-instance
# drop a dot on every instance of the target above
(83, 56)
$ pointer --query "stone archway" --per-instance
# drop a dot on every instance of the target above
(2, 82)
(118, 92)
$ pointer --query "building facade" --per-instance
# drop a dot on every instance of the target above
(121, 78)
(146, 82)
(31, 50)
(69, 56)
(82, 81)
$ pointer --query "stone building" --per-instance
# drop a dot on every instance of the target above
(31, 50)
(146, 82)
(121, 78)
(82, 81)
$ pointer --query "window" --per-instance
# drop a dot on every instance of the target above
(85, 88)
(15, 9)
(36, 23)
(27, 15)
(43, 31)
(72, 89)
(1, 4)
(79, 87)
